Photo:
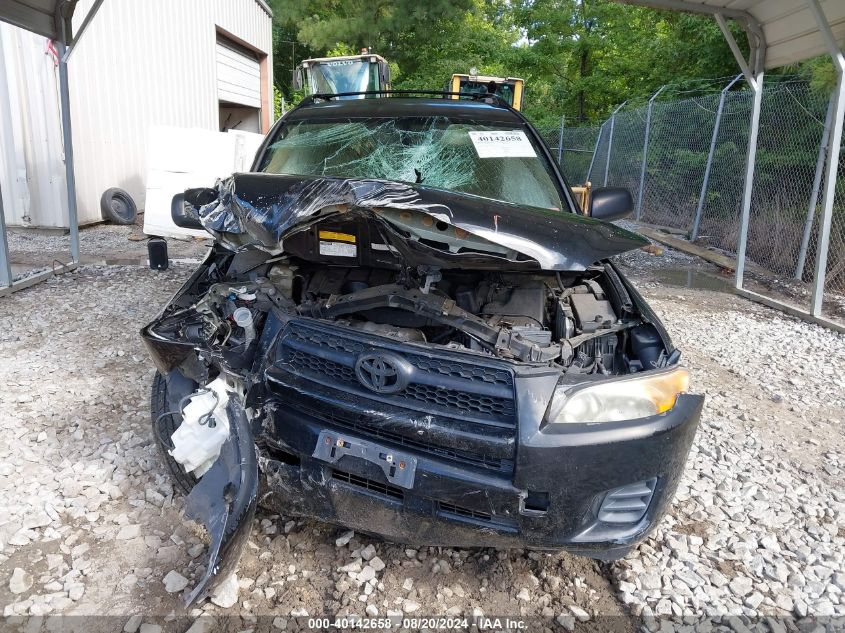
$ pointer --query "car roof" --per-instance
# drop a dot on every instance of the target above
(389, 107)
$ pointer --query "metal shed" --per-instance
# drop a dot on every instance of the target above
(52, 19)
(191, 64)
(186, 63)
(782, 32)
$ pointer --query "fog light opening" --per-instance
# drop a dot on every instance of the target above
(628, 504)
(535, 503)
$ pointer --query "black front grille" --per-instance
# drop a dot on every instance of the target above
(444, 384)
(467, 403)
(460, 370)
(452, 511)
(460, 401)
(365, 426)
(370, 485)
(306, 363)
(468, 513)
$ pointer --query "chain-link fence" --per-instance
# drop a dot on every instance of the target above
(693, 172)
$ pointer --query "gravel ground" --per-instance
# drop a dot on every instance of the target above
(97, 243)
(91, 524)
(758, 524)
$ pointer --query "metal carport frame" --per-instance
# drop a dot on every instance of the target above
(779, 33)
(52, 19)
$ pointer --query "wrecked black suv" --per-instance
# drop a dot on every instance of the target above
(406, 326)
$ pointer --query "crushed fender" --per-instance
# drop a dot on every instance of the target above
(224, 501)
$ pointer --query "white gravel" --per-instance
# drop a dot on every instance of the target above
(90, 523)
(758, 523)
(90, 514)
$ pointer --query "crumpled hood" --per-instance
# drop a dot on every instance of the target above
(260, 210)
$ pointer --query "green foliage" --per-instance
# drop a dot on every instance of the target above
(821, 74)
(397, 29)
(277, 103)
(580, 58)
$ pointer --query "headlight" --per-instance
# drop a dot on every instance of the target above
(612, 400)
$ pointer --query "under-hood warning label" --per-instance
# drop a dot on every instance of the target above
(338, 249)
(504, 144)
(337, 244)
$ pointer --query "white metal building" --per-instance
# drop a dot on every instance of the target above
(186, 63)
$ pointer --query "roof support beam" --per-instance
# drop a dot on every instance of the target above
(752, 70)
(729, 38)
(64, 20)
(71, 46)
(829, 188)
(67, 136)
(827, 34)
(751, 158)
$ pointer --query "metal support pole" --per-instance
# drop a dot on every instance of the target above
(595, 152)
(757, 86)
(829, 189)
(645, 152)
(67, 136)
(5, 268)
(814, 195)
(696, 225)
(828, 193)
(610, 142)
(747, 70)
(609, 149)
(560, 142)
(82, 28)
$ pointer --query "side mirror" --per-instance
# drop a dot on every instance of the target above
(384, 70)
(611, 203)
(296, 81)
(184, 208)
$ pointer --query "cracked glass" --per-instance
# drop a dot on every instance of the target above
(435, 152)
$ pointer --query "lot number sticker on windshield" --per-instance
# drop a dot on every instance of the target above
(503, 144)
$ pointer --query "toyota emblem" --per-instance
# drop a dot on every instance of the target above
(382, 373)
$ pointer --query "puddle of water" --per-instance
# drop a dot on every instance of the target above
(693, 278)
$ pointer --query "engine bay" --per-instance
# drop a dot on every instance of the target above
(583, 322)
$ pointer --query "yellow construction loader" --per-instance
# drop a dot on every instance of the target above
(508, 88)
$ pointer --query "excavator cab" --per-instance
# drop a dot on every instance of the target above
(347, 74)
(510, 89)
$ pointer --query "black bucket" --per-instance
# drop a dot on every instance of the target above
(157, 250)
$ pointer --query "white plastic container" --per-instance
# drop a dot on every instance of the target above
(243, 318)
(197, 446)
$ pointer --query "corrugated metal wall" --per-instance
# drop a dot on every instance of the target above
(32, 167)
(145, 63)
(238, 77)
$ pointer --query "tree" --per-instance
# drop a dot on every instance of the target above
(288, 51)
(483, 36)
(580, 58)
(591, 55)
(384, 26)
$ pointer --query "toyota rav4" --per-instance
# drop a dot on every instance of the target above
(408, 327)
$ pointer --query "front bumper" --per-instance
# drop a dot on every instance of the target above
(553, 498)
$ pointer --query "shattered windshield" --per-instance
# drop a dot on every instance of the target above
(496, 161)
